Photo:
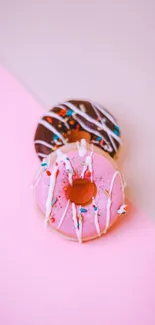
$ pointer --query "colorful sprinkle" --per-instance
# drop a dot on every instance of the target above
(65, 188)
(44, 164)
(83, 210)
(77, 127)
(57, 173)
(99, 139)
(62, 112)
(95, 208)
(106, 192)
(88, 174)
(49, 119)
(48, 173)
(55, 137)
(117, 130)
(101, 142)
(67, 158)
(52, 219)
(71, 122)
(69, 112)
(80, 217)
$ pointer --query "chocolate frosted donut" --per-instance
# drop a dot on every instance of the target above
(74, 120)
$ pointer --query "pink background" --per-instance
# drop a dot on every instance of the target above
(45, 279)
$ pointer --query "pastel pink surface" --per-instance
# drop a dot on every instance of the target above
(45, 279)
(104, 173)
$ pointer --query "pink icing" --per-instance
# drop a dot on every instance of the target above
(103, 172)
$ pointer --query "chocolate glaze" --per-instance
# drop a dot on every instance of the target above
(74, 116)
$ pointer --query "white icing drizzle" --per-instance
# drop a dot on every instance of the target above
(64, 214)
(82, 107)
(88, 165)
(78, 231)
(96, 218)
(103, 111)
(107, 147)
(113, 143)
(42, 155)
(103, 123)
(63, 157)
(97, 112)
(56, 116)
(122, 209)
(90, 119)
(89, 161)
(84, 169)
(61, 106)
(82, 147)
(52, 129)
(50, 193)
(48, 159)
(44, 143)
(109, 202)
(77, 223)
(98, 134)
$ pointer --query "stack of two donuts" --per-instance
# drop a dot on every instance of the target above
(78, 186)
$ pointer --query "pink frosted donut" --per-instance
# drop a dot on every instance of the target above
(80, 191)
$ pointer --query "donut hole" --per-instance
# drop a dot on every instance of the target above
(82, 191)
(75, 135)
